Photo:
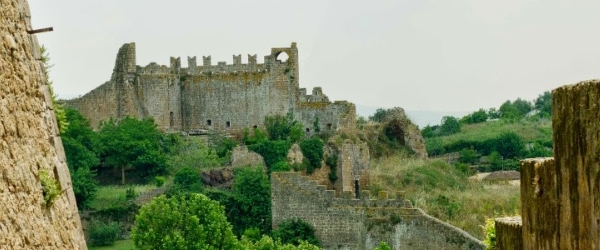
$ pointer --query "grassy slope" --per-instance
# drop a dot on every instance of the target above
(445, 193)
(530, 129)
(119, 245)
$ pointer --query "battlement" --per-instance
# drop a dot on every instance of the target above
(365, 199)
(280, 58)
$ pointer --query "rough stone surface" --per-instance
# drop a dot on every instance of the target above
(560, 197)
(511, 229)
(295, 154)
(220, 177)
(241, 157)
(30, 144)
(411, 135)
(201, 99)
(347, 223)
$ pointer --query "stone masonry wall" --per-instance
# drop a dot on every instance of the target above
(346, 223)
(222, 97)
(30, 144)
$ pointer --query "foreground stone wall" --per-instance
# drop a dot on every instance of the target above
(29, 145)
(347, 223)
(222, 97)
(560, 196)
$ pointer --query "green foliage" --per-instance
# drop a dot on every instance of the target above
(512, 111)
(429, 131)
(132, 143)
(332, 161)
(478, 116)
(294, 231)
(435, 175)
(50, 187)
(510, 145)
(283, 128)
(130, 193)
(103, 234)
(544, 104)
(463, 168)
(492, 113)
(258, 136)
(79, 142)
(379, 114)
(190, 221)
(281, 166)
(435, 146)
(489, 230)
(361, 122)
(312, 149)
(272, 151)
(252, 192)
(383, 246)
(495, 160)
(316, 126)
(468, 155)
(186, 180)
(195, 154)
(252, 234)
(267, 243)
(538, 150)
(448, 205)
(59, 108)
(224, 146)
(159, 181)
(450, 125)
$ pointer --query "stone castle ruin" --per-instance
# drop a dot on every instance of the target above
(222, 97)
(32, 160)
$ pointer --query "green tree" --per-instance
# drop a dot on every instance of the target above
(544, 103)
(523, 106)
(79, 142)
(186, 180)
(191, 221)
(429, 131)
(492, 113)
(450, 125)
(312, 149)
(435, 146)
(509, 112)
(468, 155)
(537, 150)
(132, 143)
(252, 193)
(510, 145)
(294, 231)
(496, 160)
(272, 151)
(194, 154)
(283, 128)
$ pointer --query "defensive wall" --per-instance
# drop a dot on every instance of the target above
(32, 157)
(361, 223)
(203, 98)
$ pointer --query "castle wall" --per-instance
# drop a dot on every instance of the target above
(222, 97)
(346, 223)
(30, 144)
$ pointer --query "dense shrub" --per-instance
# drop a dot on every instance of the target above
(312, 149)
(103, 234)
(186, 180)
(272, 151)
(252, 194)
(294, 231)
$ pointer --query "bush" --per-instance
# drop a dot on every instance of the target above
(312, 149)
(191, 221)
(383, 246)
(272, 151)
(252, 193)
(159, 181)
(103, 234)
(468, 155)
(130, 193)
(186, 180)
(281, 166)
(294, 231)
(489, 230)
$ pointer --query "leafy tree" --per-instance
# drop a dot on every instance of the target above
(295, 231)
(283, 128)
(510, 145)
(468, 155)
(378, 115)
(194, 154)
(435, 146)
(133, 143)
(509, 112)
(492, 113)
(191, 221)
(450, 125)
(103, 234)
(478, 116)
(79, 141)
(186, 180)
(537, 150)
(523, 106)
(272, 151)
(252, 193)
(544, 103)
(312, 149)
(429, 131)
(496, 160)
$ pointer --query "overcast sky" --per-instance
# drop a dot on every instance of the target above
(457, 55)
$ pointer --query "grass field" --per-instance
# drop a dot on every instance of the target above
(108, 196)
(444, 192)
(530, 129)
(119, 245)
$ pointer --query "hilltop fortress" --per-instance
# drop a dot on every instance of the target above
(202, 99)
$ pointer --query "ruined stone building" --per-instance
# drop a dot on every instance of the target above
(222, 97)
(32, 158)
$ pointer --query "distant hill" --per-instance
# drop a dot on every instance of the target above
(420, 117)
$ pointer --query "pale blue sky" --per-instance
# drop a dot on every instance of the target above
(457, 55)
